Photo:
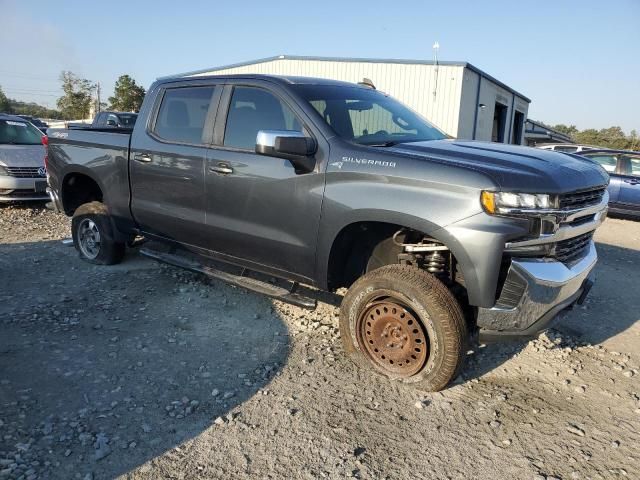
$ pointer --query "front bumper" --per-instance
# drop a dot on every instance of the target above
(20, 189)
(534, 292)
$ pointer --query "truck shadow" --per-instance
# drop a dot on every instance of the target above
(612, 307)
(106, 368)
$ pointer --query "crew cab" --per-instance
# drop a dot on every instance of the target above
(334, 185)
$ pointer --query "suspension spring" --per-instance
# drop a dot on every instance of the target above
(436, 263)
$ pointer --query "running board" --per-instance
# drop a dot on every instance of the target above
(253, 284)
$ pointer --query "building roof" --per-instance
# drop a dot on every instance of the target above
(541, 131)
(356, 60)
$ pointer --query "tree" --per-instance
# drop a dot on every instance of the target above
(76, 102)
(127, 95)
(5, 106)
(567, 130)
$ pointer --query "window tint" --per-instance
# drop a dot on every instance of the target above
(254, 109)
(183, 113)
(19, 133)
(608, 162)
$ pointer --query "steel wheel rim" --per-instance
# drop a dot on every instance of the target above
(393, 338)
(89, 238)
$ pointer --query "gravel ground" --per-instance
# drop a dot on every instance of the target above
(144, 371)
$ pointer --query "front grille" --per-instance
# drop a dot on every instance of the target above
(572, 248)
(586, 198)
(26, 172)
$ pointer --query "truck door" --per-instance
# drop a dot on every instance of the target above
(630, 183)
(258, 208)
(167, 160)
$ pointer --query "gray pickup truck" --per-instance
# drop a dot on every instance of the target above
(271, 182)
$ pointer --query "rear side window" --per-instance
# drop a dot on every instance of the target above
(635, 166)
(252, 110)
(608, 162)
(566, 149)
(183, 113)
(19, 133)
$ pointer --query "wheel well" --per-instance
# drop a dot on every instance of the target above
(365, 246)
(78, 189)
(353, 247)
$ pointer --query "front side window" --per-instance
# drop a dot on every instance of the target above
(183, 113)
(254, 109)
(367, 117)
(19, 133)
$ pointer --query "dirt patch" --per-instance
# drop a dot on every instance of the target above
(146, 371)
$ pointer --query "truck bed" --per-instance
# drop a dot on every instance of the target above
(100, 154)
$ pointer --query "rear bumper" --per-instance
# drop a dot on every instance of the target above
(55, 200)
(19, 189)
(534, 292)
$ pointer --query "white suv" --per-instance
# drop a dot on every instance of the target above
(566, 147)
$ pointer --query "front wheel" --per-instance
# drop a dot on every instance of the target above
(406, 325)
(93, 235)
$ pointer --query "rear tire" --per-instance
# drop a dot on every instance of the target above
(93, 235)
(406, 325)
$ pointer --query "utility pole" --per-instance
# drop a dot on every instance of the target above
(98, 106)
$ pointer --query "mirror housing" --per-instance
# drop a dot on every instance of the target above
(290, 145)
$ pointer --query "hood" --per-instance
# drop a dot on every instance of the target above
(21, 155)
(512, 167)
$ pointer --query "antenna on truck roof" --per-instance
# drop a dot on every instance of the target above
(367, 83)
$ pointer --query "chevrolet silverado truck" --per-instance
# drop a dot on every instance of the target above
(283, 185)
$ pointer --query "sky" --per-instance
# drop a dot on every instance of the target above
(578, 60)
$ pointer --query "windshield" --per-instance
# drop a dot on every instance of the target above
(15, 132)
(366, 116)
(127, 120)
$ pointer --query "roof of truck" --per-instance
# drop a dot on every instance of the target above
(284, 79)
(8, 116)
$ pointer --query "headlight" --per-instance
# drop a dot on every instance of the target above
(504, 202)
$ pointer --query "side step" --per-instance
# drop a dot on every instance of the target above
(253, 284)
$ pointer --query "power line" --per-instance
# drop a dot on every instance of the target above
(13, 92)
(33, 90)
(22, 75)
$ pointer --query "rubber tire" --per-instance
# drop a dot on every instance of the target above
(111, 252)
(436, 308)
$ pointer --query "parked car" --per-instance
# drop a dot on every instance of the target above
(623, 167)
(22, 168)
(114, 120)
(566, 147)
(39, 124)
(333, 185)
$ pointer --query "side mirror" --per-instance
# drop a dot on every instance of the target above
(112, 123)
(290, 145)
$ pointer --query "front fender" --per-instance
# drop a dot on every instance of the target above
(452, 216)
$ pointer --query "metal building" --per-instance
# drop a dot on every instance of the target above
(459, 98)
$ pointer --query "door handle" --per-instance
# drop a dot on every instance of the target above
(142, 158)
(222, 168)
(632, 181)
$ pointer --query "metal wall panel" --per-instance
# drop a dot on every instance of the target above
(413, 85)
(446, 95)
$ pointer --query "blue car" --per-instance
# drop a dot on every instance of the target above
(623, 167)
